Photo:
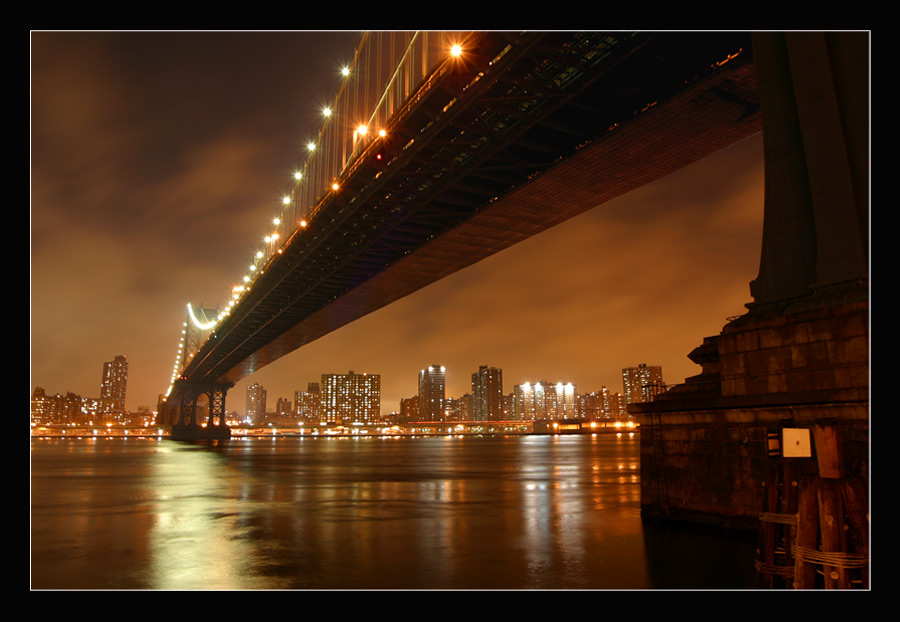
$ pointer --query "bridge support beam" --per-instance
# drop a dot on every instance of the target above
(185, 413)
(773, 435)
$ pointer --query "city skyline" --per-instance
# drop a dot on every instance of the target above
(486, 388)
(188, 156)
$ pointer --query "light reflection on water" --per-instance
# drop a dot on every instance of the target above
(524, 512)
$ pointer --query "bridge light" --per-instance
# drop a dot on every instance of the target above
(382, 133)
(286, 200)
(259, 254)
(302, 223)
(334, 186)
(276, 221)
(361, 130)
(345, 71)
(298, 175)
(456, 50)
(326, 111)
(311, 146)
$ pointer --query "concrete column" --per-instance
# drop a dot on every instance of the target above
(814, 93)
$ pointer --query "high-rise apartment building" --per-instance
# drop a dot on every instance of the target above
(306, 403)
(283, 407)
(458, 409)
(617, 406)
(256, 403)
(431, 393)
(603, 405)
(544, 400)
(113, 386)
(409, 409)
(487, 394)
(592, 406)
(509, 410)
(70, 408)
(641, 383)
(351, 398)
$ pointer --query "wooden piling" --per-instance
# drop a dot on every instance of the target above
(814, 522)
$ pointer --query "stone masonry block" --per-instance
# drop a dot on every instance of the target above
(771, 338)
(854, 349)
(824, 379)
(799, 356)
(843, 378)
(776, 382)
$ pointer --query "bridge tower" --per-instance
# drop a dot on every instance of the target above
(198, 323)
(773, 434)
(185, 410)
(195, 410)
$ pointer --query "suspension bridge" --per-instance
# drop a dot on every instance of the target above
(441, 149)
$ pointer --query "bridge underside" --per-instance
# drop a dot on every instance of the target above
(507, 159)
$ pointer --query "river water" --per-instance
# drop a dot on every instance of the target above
(493, 512)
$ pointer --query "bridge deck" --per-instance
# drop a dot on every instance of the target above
(537, 129)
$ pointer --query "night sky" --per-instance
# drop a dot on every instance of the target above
(158, 160)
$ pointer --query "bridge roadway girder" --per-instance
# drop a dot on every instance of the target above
(466, 172)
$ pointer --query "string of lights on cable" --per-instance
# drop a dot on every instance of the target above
(386, 69)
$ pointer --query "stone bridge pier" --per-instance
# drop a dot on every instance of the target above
(773, 435)
(196, 411)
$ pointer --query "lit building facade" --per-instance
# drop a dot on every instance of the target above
(603, 405)
(544, 400)
(306, 403)
(256, 403)
(350, 398)
(458, 409)
(113, 386)
(68, 408)
(509, 409)
(432, 382)
(641, 383)
(283, 407)
(43, 407)
(487, 394)
(409, 409)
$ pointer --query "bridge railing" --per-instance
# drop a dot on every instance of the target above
(387, 70)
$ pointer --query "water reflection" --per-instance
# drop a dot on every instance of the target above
(544, 512)
(198, 520)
